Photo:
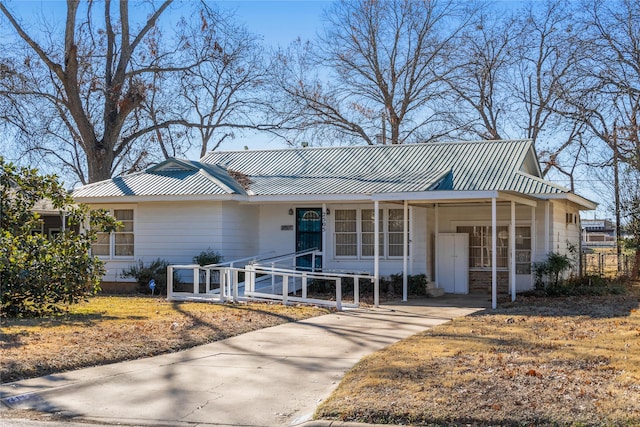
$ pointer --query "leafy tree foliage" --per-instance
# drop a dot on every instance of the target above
(38, 273)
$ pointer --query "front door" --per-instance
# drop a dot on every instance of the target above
(308, 235)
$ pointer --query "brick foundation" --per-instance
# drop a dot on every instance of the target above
(480, 282)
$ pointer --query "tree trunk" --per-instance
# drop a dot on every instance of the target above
(99, 163)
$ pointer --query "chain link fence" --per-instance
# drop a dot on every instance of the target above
(606, 264)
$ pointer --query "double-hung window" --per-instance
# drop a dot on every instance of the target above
(354, 232)
(480, 246)
(120, 243)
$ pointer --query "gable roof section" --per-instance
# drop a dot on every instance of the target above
(467, 166)
(173, 177)
(349, 170)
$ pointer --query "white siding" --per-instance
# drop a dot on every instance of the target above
(564, 234)
(271, 237)
(239, 231)
(178, 231)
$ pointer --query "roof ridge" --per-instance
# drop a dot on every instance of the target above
(362, 147)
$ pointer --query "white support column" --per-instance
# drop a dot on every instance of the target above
(376, 254)
(512, 238)
(494, 256)
(405, 249)
(430, 276)
(436, 230)
(547, 227)
(534, 243)
(411, 248)
(325, 221)
(170, 283)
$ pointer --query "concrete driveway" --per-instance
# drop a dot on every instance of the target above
(270, 377)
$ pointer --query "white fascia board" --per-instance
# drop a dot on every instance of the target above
(583, 204)
(442, 196)
(436, 195)
(523, 199)
(295, 198)
(161, 198)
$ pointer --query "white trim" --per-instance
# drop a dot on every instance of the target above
(376, 254)
(494, 256)
(112, 242)
(405, 249)
(534, 242)
(435, 246)
(587, 204)
(512, 236)
(547, 227)
(159, 198)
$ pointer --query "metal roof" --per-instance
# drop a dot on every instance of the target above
(465, 166)
(172, 177)
(480, 165)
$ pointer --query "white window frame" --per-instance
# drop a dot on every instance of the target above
(456, 224)
(112, 236)
(384, 234)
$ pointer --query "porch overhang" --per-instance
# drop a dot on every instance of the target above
(451, 196)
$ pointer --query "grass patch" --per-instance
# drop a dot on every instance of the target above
(540, 361)
(110, 329)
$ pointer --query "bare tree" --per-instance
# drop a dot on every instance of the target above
(375, 73)
(113, 95)
(548, 57)
(481, 103)
(223, 91)
(609, 98)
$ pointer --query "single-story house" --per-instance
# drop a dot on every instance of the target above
(471, 216)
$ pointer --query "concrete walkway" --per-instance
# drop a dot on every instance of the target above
(270, 377)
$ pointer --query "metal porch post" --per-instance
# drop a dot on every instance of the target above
(405, 250)
(494, 256)
(512, 237)
(376, 255)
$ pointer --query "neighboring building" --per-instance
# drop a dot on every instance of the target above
(598, 233)
(452, 201)
(52, 220)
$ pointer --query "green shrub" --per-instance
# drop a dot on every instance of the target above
(416, 284)
(38, 274)
(549, 272)
(208, 257)
(156, 270)
(588, 285)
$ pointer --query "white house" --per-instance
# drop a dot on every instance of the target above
(472, 216)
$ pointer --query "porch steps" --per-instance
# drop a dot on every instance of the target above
(434, 292)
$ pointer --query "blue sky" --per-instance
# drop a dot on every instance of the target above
(276, 22)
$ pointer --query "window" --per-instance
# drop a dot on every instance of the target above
(354, 232)
(346, 233)
(523, 250)
(368, 236)
(395, 227)
(480, 246)
(119, 243)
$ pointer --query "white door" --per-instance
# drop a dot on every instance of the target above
(453, 262)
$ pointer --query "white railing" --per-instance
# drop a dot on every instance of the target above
(263, 280)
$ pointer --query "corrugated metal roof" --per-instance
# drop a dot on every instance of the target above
(466, 166)
(196, 180)
(480, 165)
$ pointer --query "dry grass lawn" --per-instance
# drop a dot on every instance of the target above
(566, 361)
(113, 329)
